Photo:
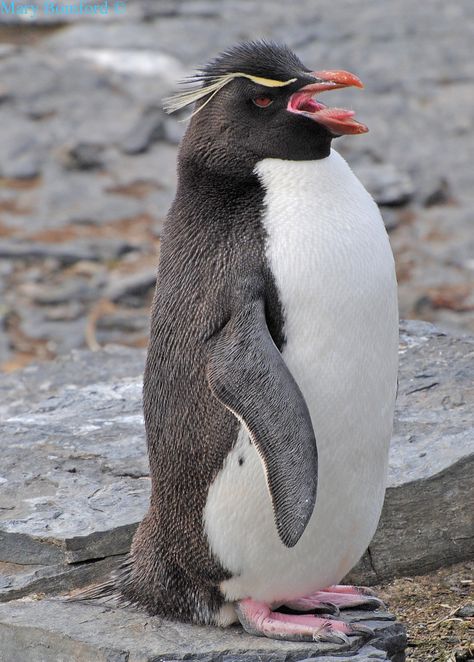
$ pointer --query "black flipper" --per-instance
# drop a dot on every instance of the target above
(247, 374)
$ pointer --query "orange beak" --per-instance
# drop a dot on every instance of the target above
(338, 121)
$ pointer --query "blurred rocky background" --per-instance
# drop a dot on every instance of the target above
(87, 156)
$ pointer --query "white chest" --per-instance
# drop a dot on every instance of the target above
(330, 256)
(331, 260)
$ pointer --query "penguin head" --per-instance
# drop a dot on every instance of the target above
(256, 101)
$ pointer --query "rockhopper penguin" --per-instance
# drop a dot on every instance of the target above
(272, 366)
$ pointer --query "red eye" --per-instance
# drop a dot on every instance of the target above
(263, 102)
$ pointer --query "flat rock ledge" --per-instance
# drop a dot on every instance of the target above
(51, 630)
(74, 484)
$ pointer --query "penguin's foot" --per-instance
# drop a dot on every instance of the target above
(336, 597)
(258, 619)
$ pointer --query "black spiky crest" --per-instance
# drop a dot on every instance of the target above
(264, 62)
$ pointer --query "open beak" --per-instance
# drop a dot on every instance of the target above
(338, 120)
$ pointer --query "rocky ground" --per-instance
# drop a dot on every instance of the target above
(87, 157)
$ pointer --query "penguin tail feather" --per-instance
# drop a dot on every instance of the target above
(107, 591)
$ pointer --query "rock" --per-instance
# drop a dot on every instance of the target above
(427, 514)
(68, 312)
(63, 292)
(5, 345)
(17, 581)
(126, 325)
(59, 336)
(466, 612)
(58, 509)
(135, 284)
(22, 159)
(130, 35)
(23, 166)
(97, 633)
(67, 252)
(434, 191)
(388, 185)
(128, 321)
(147, 130)
(133, 61)
(157, 165)
(6, 270)
(74, 479)
(8, 49)
(84, 156)
(435, 248)
(174, 130)
(62, 197)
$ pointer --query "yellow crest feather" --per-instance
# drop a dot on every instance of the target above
(183, 99)
(268, 82)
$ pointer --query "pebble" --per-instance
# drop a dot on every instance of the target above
(85, 156)
(466, 612)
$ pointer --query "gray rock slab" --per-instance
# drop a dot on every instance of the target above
(59, 488)
(51, 630)
(427, 516)
(60, 336)
(66, 252)
(17, 581)
(74, 478)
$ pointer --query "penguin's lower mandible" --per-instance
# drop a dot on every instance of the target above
(271, 375)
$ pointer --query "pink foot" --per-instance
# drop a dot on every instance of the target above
(257, 618)
(335, 597)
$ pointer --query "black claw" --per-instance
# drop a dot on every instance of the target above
(322, 608)
(327, 608)
(333, 636)
(373, 603)
(363, 630)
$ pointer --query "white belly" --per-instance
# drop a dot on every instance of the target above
(329, 253)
